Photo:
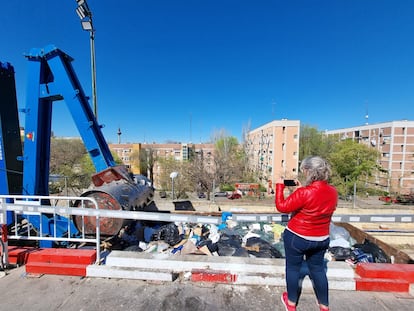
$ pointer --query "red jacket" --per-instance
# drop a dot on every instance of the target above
(311, 206)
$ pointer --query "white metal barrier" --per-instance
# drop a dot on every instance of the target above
(57, 207)
(61, 206)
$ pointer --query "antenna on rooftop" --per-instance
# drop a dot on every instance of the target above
(366, 114)
(119, 135)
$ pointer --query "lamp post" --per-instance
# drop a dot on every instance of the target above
(85, 16)
(173, 175)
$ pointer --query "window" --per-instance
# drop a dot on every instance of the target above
(386, 140)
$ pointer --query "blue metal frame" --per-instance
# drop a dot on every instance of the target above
(4, 189)
(52, 78)
(52, 68)
(10, 141)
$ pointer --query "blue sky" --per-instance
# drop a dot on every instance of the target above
(182, 70)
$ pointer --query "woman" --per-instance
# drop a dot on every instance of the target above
(306, 237)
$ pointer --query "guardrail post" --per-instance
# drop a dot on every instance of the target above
(98, 238)
(4, 241)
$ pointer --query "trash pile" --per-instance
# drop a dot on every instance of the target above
(262, 240)
(227, 239)
(343, 247)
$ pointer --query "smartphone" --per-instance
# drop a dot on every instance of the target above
(290, 182)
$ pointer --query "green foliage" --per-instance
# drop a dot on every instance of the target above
(227, 187)
(70, 161)
(182, 183)
(226, 167)
(226, 144)
(262, 188)
(314, 142)
(147, 159)
(65, 158)
(117, 159)
(352, 160)
(352, 163)
(230, 161)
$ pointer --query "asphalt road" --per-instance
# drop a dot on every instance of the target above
(68, 293)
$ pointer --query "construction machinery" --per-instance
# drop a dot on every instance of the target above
(51, 78)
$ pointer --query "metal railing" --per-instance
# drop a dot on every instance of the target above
(54, 208)
(88, 207)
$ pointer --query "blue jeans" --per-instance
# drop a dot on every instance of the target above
(298, 250)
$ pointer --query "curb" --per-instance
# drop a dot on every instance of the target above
(212, 269)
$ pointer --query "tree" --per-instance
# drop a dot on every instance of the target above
(182, 182)
(229, 160)
(134, 161)
(249, 175)
(200, 174)
(65, 158)
(226, 166)
(352, 162)
(64, 154)
(314, 142)
(70, 160)
(147, 161)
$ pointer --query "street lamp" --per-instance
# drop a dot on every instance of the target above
(85, 16)
(173, 175)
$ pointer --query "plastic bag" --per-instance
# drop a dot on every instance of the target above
(340, 253)
(229, 244)
(261, 248)
(169, 233)
(378, 255)
(336, 232)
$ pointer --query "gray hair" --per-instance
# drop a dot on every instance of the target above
(317, 169)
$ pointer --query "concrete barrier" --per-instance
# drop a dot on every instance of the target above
(218, 269)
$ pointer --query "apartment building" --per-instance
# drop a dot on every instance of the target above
(273, 151)
(180, 152)
(128, 153)
(395, 142)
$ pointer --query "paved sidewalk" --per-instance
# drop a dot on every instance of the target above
(67, 293)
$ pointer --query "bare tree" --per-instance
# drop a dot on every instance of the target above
(229, 159)
(66, 156)
(182, 183)
(147, 162)
(200, 173)
(73, 165)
